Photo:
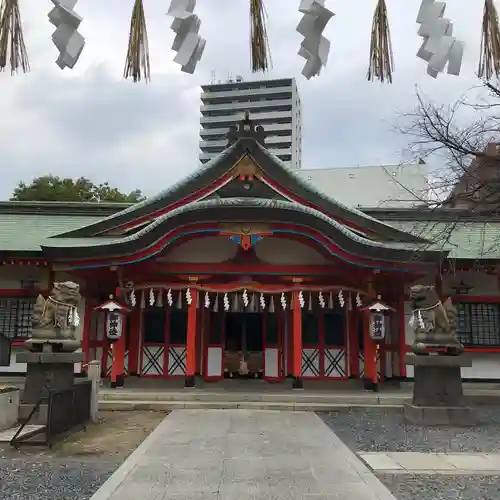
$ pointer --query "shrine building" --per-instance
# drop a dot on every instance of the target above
(245, 260)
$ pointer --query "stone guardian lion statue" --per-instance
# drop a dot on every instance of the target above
(56, 317)
(434, 322)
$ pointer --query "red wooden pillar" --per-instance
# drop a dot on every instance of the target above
(118, 363)
(134, 341)
(370, 376)
(353, 332)
(191, 340)
(297, 341)
(402, 337)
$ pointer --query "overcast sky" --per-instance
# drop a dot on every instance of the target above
(91, 122)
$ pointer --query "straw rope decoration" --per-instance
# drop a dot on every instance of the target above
(381, 57)
(137, 61)
(12, 48)
(259, 43)
(489, 60)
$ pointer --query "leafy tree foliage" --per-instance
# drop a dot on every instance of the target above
(54, 188)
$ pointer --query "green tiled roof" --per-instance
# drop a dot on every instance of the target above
(25, 232)
(464, 240)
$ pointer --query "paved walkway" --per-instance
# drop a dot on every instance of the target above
(242, 455)
(434, 463)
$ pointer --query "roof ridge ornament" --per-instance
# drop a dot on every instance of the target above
(246, 129)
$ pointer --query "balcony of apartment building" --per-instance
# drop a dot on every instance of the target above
(278, 117)
(272, 142)
(267, 105)
(226, 97)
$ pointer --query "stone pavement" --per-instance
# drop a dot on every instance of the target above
(242, 455)
(433, 463)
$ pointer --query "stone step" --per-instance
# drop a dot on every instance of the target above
(284, 397)
(131, 405)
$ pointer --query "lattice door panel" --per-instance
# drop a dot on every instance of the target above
(335, 363)
(176, 361)
(153, 361)
(310, 362)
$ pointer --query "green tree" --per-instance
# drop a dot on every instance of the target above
(54, 188)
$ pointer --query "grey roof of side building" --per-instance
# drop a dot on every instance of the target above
(24, 226)
(385, 186)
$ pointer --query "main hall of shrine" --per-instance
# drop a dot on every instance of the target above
(242, 269)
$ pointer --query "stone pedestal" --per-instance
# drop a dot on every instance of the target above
(438, 397)
(47, 371)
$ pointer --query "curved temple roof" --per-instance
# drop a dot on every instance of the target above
(242, 210)
(214, 170)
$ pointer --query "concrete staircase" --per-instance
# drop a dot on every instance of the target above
(123, 399)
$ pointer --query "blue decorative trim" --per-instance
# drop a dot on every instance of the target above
(217, 230)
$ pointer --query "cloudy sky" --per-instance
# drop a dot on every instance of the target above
(91, 122)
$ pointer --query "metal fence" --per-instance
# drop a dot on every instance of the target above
(67, 410)
(5, 347)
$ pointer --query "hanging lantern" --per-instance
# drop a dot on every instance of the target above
(207, 300)
(315, 47)
(188, 44)
(68, 41)
(226, 302)
(283, 300)
(151, 297)
(321, 300)
(189, 297)
(170, 299)
(12, 48)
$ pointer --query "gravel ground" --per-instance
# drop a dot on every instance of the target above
(47, 478)
(75, 468)
(384, 430)
(442, 487)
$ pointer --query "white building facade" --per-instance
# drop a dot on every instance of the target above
(274, 104)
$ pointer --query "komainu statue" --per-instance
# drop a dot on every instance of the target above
(55, 319)
(434, 322)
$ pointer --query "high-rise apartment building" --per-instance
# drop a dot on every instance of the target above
(274, 104)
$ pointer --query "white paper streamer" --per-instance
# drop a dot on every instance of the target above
(439, 47)
(187, 43)
(151, 297)
(66, 38)
(315, 47)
